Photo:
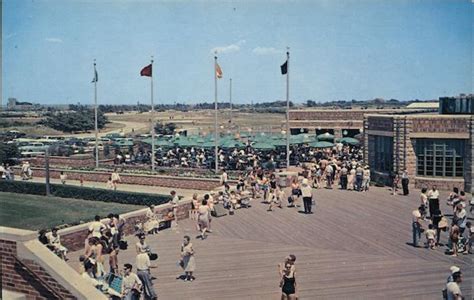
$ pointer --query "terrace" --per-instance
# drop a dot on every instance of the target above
(355, 246)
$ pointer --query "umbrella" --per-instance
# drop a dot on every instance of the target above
(159, 142)
(232, 144)
(350, 141)
(263, 146)
(326, 137)
(321, 144)
(278, 143)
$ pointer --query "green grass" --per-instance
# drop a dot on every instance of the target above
(37, 212)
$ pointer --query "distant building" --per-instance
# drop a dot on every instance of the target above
(462, 104)
(14, 104)
(424, 105)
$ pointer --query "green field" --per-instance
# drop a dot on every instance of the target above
(37, 212)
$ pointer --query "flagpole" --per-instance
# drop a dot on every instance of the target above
(152, 121)
(216, 135)
(230, 100)
(288, 109)
(95, 119)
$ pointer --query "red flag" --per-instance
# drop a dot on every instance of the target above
(146, 71)
(218, 71)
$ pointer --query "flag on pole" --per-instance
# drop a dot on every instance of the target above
(284, 68)
(146, 71)
(96, 77)
(218, 71)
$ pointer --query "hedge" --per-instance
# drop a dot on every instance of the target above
(86, 193)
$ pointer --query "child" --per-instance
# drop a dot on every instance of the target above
(470, 237)
(431, 236)
(81, 180)
(277, 197)
(110, 185)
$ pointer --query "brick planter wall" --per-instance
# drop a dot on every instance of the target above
(17, 278)
(150, 180)
(80, 160)
(74, 237)
(442, 184)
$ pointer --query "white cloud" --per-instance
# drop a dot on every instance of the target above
(266, 51)
(229, 48)
(53, 40)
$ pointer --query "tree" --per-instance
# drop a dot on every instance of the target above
(8, 152)
(166, 129)
(82, 119)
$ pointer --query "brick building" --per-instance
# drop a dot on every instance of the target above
(339, 122)
(433, 148)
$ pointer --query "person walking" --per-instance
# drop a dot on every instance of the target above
(359, 178)
(143, 271)
(433, 200)
(288, 283)
(453, 288)
(405, 182)
(115, 179)
(343, 177)
(203, 218)
(188, 262)
(63, 177)
(307, 194)
(416, 227)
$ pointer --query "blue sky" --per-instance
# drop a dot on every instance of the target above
(402, 49)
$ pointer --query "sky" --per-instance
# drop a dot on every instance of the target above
(339, 50)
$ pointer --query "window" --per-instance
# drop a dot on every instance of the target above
(440, 158)
(383, 158)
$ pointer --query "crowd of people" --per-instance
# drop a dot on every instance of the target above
(240, 159)
(429, 219)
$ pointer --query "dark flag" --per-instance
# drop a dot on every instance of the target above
(96, 77)
(284, 68)
(146, 71)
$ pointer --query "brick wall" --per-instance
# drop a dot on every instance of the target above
(150, 180)
(440, 124)
(27, 277)
(74, 238)
(80, 160)
(441, 184)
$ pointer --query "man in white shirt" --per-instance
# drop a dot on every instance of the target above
(224, 177)
(307, 194)
(453, 288)
(143, 272)
(131, 284)
(97, 227)
(433, 200)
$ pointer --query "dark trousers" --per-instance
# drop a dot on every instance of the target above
(358, 182)
(405, 182)
(344, 182)
(433, 206)
(307, 204)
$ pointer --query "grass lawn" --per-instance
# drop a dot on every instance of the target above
(37, 212)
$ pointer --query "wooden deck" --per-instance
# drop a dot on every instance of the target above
(355, 246)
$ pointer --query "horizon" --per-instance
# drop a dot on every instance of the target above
(402, 50)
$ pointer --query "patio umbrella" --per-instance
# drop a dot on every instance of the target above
(321, 144)
(325, 137)
(159, 142)
(232, 144)
(350, 141)
(263, 146)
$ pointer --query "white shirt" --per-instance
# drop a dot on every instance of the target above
(306, 191)
(453, 290)
(130, 281)
(143, 261)
(96, 228)
(433, 194)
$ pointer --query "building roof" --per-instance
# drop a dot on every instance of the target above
(423, 105)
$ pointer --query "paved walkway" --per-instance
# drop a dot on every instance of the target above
(124, 187)
(355, 246)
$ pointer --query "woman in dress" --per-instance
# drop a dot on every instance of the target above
(203, 218)
(351, 178)
(288, 283)
(152, 224)
(187, 259)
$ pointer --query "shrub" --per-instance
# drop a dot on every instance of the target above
(86, 193)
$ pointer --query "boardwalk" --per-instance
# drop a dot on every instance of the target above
(355, 246)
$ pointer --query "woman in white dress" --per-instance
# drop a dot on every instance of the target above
(203, 218)
(187, 258)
